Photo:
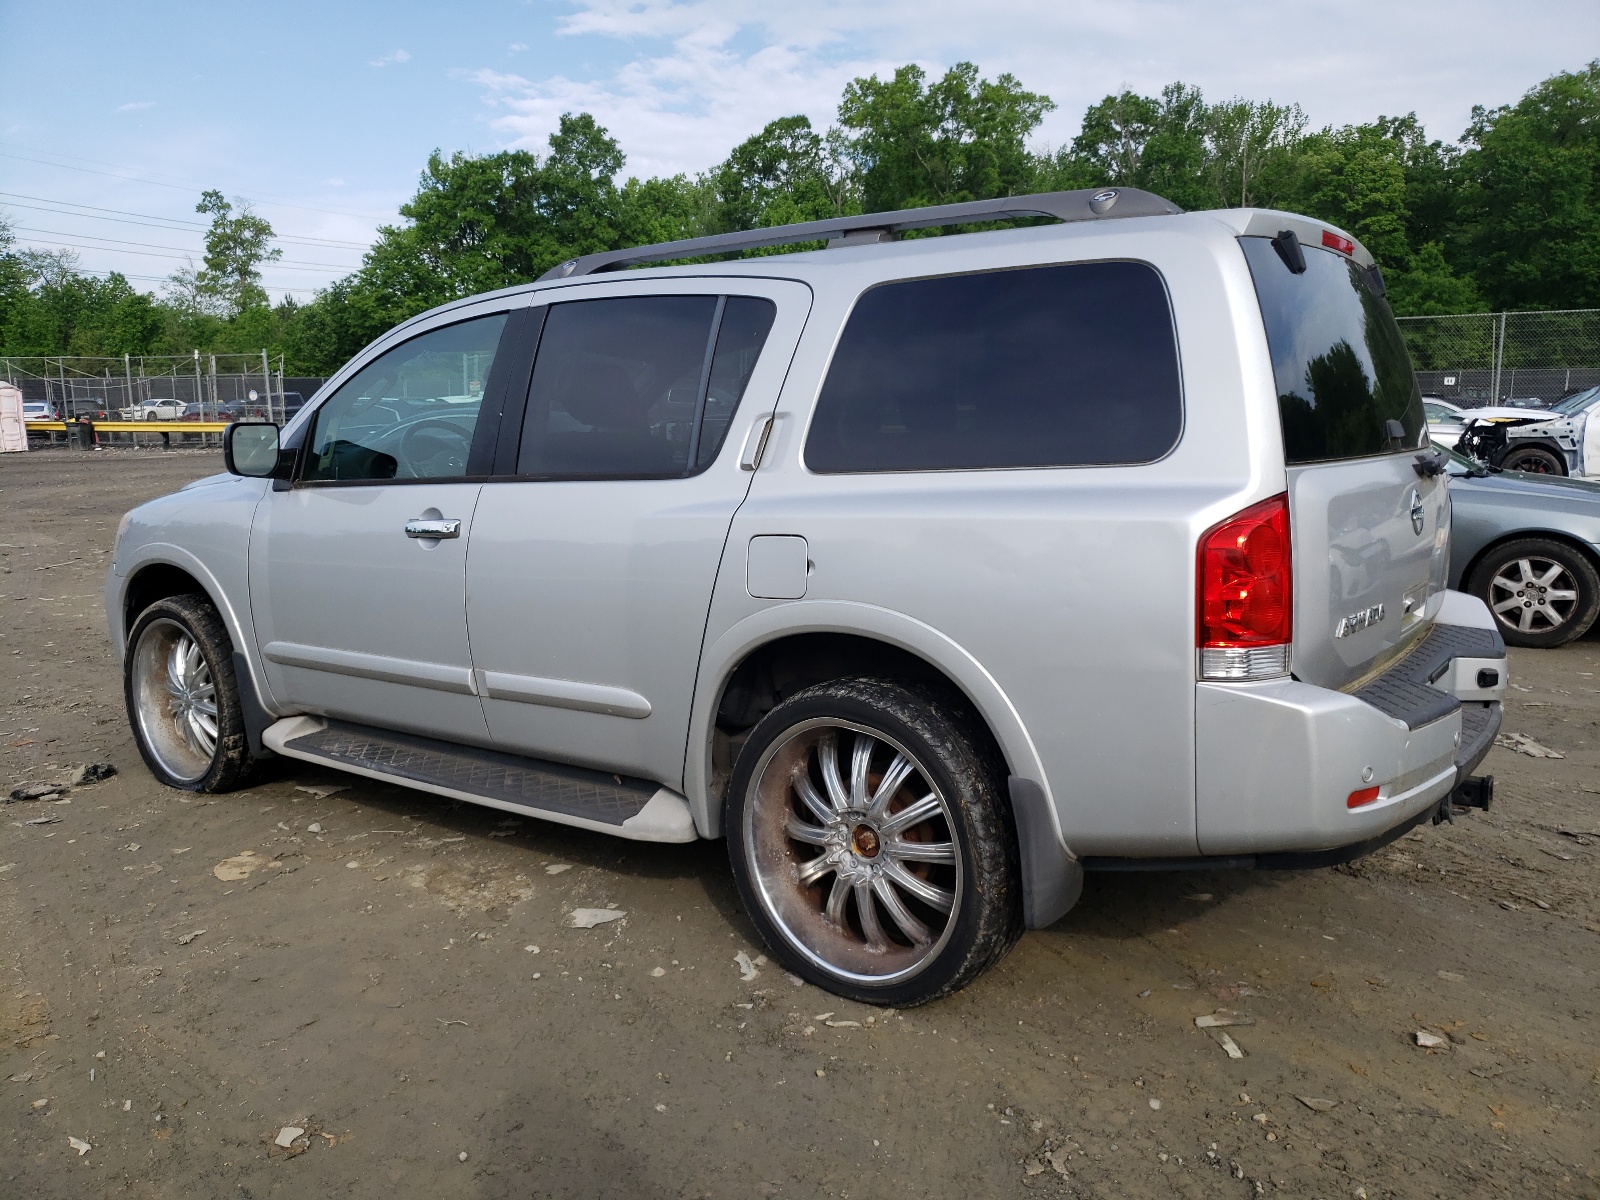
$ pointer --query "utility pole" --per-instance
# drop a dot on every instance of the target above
(1499, 356)
(266, 376)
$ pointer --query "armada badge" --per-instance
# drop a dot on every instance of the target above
(1358, 620)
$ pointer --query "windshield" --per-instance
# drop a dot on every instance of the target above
(1344, 379)
(1578, 402)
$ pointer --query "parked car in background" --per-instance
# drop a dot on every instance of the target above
(40, 410)
(1528, 546)
(213, 412)
(1561, 440)
(154, 410)
(927, 572)
(1445, 421)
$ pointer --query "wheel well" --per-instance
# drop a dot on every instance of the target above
(156, 582)
(1542, 442)
(1520, 535)
(776, 670)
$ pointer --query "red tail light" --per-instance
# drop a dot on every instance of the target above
(1245, 606)
(1334, 242)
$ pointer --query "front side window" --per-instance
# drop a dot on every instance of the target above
(640, 387)
(1344, 379)
(1059, 366)
(411, 412)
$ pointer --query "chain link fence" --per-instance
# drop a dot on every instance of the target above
(203, 387)
(1480, 359)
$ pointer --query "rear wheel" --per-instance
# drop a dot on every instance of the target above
(1535, 460)
(872, 843)
(183, 699)
(1543, 593)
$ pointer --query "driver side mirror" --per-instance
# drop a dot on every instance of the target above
(250, 448)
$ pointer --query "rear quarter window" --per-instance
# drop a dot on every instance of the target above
(1338, 359)
(1059, 366)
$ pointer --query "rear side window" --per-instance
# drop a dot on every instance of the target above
(1344, 380)
(639, 387)
(1061, 366)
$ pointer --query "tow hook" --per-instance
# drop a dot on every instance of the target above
(1476, 792)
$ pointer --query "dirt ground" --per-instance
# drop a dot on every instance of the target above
(390, 973)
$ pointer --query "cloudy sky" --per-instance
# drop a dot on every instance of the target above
(116, 115)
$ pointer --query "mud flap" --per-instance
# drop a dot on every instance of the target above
(256, 717)
(1052, 880)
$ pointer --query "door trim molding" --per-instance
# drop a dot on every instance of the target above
(438, 676)
(564, 693)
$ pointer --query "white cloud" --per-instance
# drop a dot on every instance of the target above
(389, 60)
(704, 74)
(135, 105)
(517, 47)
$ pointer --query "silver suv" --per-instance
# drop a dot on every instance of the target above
(930, 572)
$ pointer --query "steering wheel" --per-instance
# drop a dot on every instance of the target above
(435, 448)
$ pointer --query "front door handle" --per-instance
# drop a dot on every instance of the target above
(418, 527)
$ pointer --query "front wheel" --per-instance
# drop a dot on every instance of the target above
(183, 699)
(1543, 593)
(1535, 460)
(872, 844)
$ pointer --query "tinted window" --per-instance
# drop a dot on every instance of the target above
(411, 412)
(1341, 366)
(746, 321)
(640, 387)
(1044, 367)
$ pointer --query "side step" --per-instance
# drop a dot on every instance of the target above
(618, 805)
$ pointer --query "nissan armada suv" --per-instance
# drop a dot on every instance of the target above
(930, 572)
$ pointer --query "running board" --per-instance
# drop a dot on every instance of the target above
(614, 804)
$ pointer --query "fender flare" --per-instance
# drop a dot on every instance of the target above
(1052, 876)
(166, 554)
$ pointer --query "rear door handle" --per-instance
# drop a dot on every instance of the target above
(417, 527)
(755, 444)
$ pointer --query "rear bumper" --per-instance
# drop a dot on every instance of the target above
(1277, 762)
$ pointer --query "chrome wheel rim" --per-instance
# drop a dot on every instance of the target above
(852, 852)
(175, 700)
(1533, 594)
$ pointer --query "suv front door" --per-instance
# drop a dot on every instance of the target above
(595, 548)
(358, 570)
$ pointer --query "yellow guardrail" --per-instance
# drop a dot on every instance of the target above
(132, 426)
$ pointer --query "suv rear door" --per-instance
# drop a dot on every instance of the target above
(595, 546)
(1371, 532)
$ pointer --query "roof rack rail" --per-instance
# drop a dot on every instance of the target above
(1085, 204)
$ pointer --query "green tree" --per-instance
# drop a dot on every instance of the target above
(1250, 149)
(1354, 178)
(783, 174)
(236, 246)
(960, 138)
(1155, 143)
(481, 222)
(1530, 196)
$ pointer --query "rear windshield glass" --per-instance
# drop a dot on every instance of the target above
(1057, 366)
(1341, 366)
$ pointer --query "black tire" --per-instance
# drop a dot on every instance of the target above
(1550, 621)
(172, 747)
(1535, 460)
(963, 855)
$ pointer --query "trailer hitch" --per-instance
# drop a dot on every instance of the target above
(1476, 792)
